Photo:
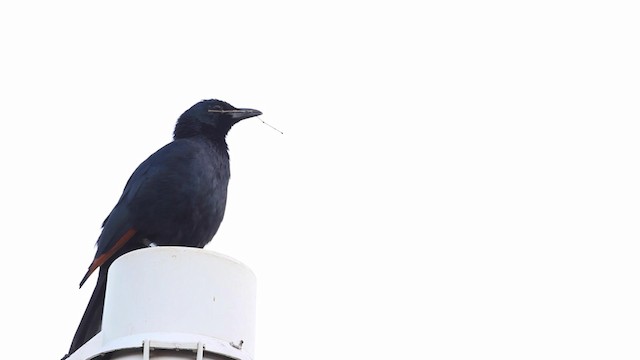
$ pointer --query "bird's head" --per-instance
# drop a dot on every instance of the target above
(212, 118)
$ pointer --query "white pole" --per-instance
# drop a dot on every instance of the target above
(176, 300)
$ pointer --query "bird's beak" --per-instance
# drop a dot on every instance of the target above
(241, 114)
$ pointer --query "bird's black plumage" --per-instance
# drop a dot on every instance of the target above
(176, 197)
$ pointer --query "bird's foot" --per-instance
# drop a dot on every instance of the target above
(148, 243)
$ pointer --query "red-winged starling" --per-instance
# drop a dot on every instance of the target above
(176, 197)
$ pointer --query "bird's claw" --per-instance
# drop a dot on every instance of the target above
(148, 243)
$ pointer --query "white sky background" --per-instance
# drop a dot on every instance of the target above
(457, 180)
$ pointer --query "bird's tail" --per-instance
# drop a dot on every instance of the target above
(91, 322)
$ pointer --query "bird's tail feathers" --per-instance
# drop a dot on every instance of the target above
(91, 322)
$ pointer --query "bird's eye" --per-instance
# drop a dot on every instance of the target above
(216, 108)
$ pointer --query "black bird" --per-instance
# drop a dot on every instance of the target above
(176, 197)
